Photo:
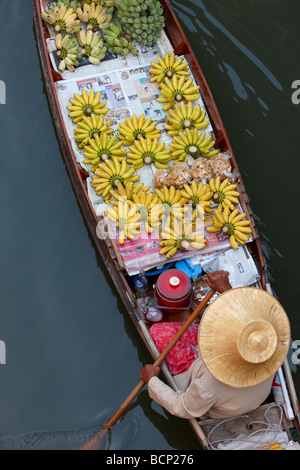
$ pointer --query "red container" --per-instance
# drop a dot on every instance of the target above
(173, 290)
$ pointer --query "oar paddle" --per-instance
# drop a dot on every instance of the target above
(95, 443)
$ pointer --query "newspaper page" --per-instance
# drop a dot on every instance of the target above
(239, 263)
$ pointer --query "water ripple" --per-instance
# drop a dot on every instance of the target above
(261, 66)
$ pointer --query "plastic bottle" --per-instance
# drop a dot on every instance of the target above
(141, 285)
(277, 391)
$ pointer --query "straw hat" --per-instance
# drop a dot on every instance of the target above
(244, 336)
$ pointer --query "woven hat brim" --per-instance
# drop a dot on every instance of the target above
(219, 329)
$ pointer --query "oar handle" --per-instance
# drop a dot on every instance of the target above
(95, 443)
(160, 358)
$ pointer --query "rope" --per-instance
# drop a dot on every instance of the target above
(269, 427)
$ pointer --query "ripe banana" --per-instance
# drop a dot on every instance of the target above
(126, 191)
(86, 105)
(167, 67)
(224, 193)
(173, 204)
(177, 90)
(109, 174)
(193, 144)
(199, 197)
(126, 220)
(231, 223)
(147, 151)
(134, 128)
(181, 237)
(102, 148)
(276, 446)
(184, 117)
(149, 208)
(89, 127)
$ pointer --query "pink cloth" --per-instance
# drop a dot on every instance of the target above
(185, 351)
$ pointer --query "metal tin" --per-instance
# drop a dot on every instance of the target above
(173, 289)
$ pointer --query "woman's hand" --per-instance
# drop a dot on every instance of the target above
(148, 372)
(218, 281)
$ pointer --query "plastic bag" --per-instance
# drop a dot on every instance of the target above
(179, 175)
(201, 170)
(161, 178)
(220, 165)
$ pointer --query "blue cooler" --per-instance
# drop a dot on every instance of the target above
(194, 272)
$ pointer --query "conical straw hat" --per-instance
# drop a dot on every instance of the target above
(244, 336)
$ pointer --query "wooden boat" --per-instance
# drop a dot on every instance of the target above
(206, 430)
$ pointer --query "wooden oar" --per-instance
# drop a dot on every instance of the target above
(95, 443)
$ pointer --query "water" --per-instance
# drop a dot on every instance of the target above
(73, 355)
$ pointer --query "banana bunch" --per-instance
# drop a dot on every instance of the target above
(69, 3)
(198, 195)
(126, 221)
(173, 204)
(101, 148)
(117, 42)
(109, 174)
(167, 67)
(67, 52)
(142, 19)
(184, 117)
(181, 237)
(147, 151)
(92, 46)
(88, 2)
(134, 128)
(109, 4)
(177, 90)
(126, 191)
(86, 105)
(192, 144)
(62, 18)
(223, 193)
(95, 15)
(149, 208)
(89, 127)
(231, 223)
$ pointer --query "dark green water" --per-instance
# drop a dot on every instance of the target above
(72, 354)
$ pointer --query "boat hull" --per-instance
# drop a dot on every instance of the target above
(106, 247)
